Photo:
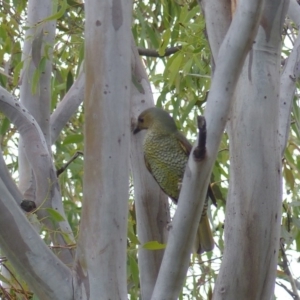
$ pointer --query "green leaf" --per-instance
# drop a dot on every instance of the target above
(59, 14)
(132, 237)
(4, 127)
(175, 67)
(289, 177)
(137, 84)
(73, 139)
(55, 215)
(17, 71)
(134, 270)
(164, 42)
(70, 80)
(154, 245)
(37, 74)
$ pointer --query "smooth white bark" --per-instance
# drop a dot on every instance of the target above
(289, 76)
(8, 181)
(228, 65)
(293, 11)
(217, 15)
(38, 101)
(36, 97)
(101, 252)
(46, 275)
(253, 210)
(47, 193)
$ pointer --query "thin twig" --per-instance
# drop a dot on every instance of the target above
(154, 53)
(200, 150)
(17, 281)
(62, 169)
(71, 246)
(287, 290)
(287, 271)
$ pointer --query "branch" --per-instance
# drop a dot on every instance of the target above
(154, 53)
(287, 290)
(287, 271)
(217, 18)
(67, 107)
(288, 79)
(101, 252)
(62, 169)
(200, 150)
(294, 12)
(47, 194)
(229, 63)
(8, 181)
(28, 253)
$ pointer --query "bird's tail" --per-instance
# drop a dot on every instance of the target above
(204, 241)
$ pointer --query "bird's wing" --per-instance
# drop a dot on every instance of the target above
(187, 148)
(147, 165)
(184, 143)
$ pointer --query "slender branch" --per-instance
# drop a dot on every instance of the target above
(288, 79)
(287, 271)
(294, 12)
(229, 63)
(63, 168)
(154, 53)
(36, 151)
(28, 253)
(286, 289)
(14, 277)
(9, 182)
(200, 150)
(67, 107)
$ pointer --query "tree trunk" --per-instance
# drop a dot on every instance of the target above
(101, 253)
(253, 211)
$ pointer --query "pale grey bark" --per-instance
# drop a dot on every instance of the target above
(67, 107)
(101, 251)
(37, 181)
(289, 76)
(48, 277)
(293, 12)
(38, 35)
(8, 181)
(151, 204)
(38, 102)
(229, 62)
(217, 15)
(253, 210)
(47, 193)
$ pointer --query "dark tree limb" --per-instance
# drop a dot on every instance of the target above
(63, 168)
(286, 289)
(200, 150)
(286, 269)
(154, 53)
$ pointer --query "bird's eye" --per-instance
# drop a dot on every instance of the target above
(141, 120)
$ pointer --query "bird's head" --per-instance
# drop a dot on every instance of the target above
(153, 117)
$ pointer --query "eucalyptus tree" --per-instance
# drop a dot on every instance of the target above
(99, 227)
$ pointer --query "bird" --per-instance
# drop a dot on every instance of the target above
(166, 152)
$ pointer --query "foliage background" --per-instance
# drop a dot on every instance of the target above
(180, 84)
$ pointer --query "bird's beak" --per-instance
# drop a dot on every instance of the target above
(136, 130)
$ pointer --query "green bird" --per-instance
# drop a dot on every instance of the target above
(166, 152)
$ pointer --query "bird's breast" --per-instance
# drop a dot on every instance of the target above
(166, 160)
